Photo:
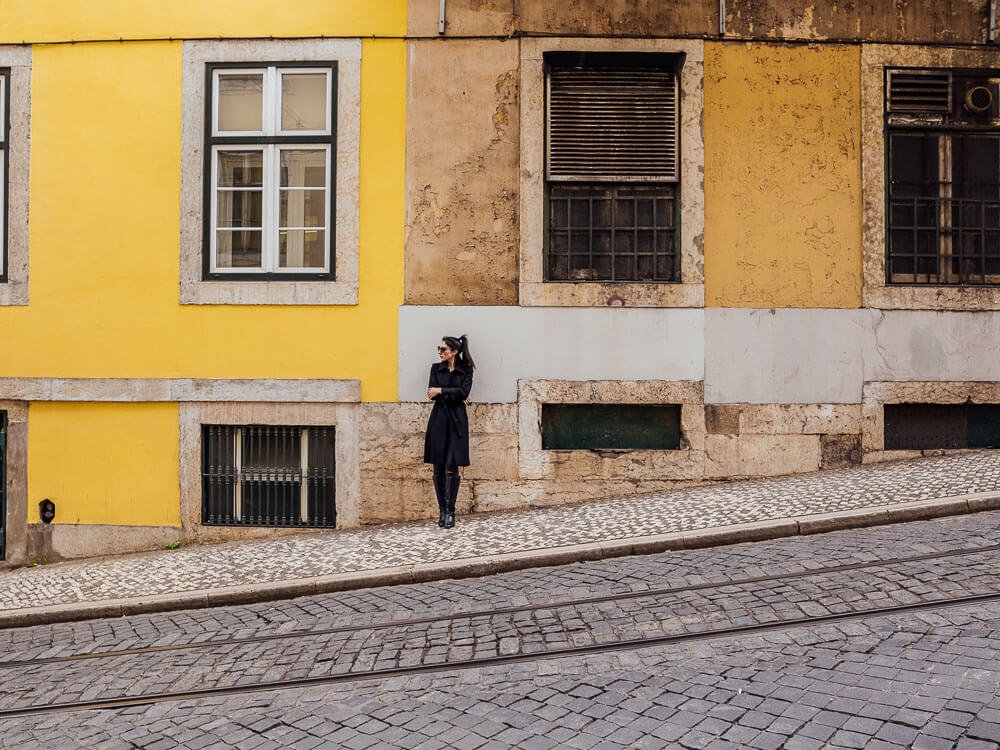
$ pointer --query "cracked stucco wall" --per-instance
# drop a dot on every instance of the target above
(462, 173)
(782, 176)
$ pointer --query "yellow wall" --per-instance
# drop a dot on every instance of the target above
(782, 176)
(66, 20)
(105, 463)
(104, 251)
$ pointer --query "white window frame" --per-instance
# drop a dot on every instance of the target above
(271, 167)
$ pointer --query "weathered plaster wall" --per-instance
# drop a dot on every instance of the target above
(610, 17)
(463, 17)
(462, 135)
(515, 343)
(782, 176)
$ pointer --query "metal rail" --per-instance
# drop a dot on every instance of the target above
(473, 614)
(631, 644)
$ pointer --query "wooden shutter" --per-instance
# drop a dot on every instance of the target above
(612, 125)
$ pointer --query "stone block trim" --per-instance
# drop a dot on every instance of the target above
(533, 290)
(179, 389)
(875, 292)
(193, 415)
(343, 291)
(877, 394)
(15, 290)
(17, 483)
(684, 464)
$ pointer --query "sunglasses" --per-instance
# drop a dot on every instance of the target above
(443, 349)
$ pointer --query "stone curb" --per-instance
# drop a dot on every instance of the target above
(470, 567)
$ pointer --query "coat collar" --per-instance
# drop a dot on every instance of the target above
(458, 367)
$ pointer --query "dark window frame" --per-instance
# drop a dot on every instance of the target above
(233, 486)
(636, 427)
(5, 147)
(616, 60)
(211, 140)
(948, 212)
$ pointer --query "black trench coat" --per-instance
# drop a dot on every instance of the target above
(447, 438)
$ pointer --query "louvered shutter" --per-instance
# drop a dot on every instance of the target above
(919, 91)
(612, 125)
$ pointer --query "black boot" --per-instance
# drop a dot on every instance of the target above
(452, 486)
(441, 491)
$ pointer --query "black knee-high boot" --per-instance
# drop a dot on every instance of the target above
(441, 491)
(453, 481)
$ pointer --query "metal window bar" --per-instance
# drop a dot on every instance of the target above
(3, 485)
(960, 246)
(266, 475)
(617, 233)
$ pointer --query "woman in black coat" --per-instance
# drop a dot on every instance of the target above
(446, 444)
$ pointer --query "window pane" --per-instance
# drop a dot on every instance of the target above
(237, 249)
(303, 101)
(239, 208)
(303, 168)
(241, 169)
(298, 248)
(241, 101)
(303, 208)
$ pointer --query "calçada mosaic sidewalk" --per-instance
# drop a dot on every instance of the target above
(330, 561)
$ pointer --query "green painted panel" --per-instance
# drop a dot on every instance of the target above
(611, 426)
(931, 426)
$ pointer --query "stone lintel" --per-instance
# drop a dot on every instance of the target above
(179, 390)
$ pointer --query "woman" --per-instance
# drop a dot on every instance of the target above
(446, 444)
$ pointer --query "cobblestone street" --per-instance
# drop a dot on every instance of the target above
(923, 677)
(422, 547)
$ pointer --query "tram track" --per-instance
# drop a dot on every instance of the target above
(631, 644)
(493, 612)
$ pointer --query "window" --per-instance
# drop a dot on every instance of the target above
(937, 426)
(943, 202)
(270, 148)
(612, 169)
(611, 426)
(4, 169)
(262, 475)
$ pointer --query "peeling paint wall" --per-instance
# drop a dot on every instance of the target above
(782, 176)
(610, 17)
(461, 173)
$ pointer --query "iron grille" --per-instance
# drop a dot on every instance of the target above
(941, 426)
(919, 91)
(612, 125)
(3, 485)
(612, 233)
(944, 208)
(264, 475)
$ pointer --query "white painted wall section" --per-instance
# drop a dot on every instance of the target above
(786, 356)
(524, 343)
(929, 345)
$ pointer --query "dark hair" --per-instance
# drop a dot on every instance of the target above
(461, 345)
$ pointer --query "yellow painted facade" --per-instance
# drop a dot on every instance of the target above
(105, 463)
(782, 176)
(104, 241)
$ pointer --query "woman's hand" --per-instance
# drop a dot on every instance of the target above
(433, 393)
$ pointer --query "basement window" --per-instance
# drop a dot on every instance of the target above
(612, 168)
(940, 426)
(264, 475)
(611, 426)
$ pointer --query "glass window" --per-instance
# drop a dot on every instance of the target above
(271, 152)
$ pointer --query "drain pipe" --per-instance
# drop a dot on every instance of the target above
(993, 21)
(441, 16)
(722, 16)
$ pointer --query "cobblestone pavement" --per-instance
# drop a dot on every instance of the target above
(297, 558)
(920, 680)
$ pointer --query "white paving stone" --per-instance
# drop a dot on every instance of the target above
(375, 548)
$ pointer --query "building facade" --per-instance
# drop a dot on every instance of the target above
(688, 242)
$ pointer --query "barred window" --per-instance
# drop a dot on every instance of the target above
(612, 167)
(263, 475)
(943, 196)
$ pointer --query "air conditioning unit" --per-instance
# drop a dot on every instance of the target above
(930, 96)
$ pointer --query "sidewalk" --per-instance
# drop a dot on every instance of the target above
(331, 561)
